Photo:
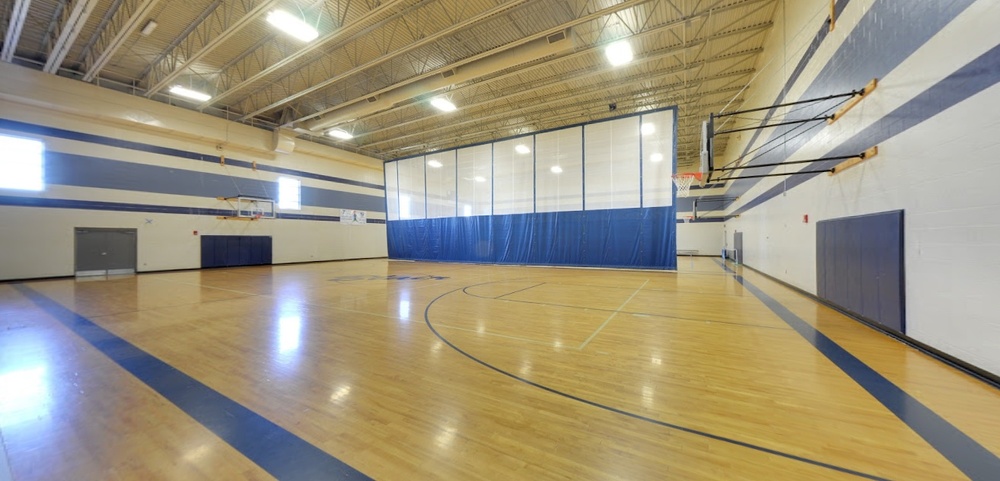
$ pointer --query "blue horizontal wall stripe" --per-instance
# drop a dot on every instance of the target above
(158, 209)
(278, 451)
(41, 130)
(870, 51)
(974, 77)
(86, 171)
(965, 453)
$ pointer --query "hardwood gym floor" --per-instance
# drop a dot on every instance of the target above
(402, 371)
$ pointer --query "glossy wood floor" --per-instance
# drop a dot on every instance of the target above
(409, 371)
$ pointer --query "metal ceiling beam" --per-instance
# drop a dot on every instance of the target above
(661, 53)
(69, 29)
(570, 95)
(220, 25)
(483, 122)
(123, 23)
(578, 21)
(236, 77)
(542, 105)
(252, 105)
(17, 16)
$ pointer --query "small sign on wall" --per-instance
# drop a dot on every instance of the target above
(353, 217)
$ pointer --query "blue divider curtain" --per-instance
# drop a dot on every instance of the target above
(594, 195)
(630, 238)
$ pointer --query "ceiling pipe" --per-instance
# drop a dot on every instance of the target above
(553, 44)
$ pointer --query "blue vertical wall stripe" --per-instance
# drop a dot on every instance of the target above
(870, 51)
(965, 453)
(279, 452)
(974, 77)
(40, 130)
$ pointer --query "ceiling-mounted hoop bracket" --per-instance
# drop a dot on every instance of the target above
(710, 172)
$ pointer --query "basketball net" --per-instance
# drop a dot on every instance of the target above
(683, 183)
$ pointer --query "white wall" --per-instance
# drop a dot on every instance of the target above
(704, 237)
(38, 242)
(941, 172)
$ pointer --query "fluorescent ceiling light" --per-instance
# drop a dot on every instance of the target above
(522, 149)
(292, 25)
(647, 128)
(479, 178)
(434, 163)
(340, 134)
(656, 157)
(556, 169)
(443, 105)
(188, 93)
(148, 28)
(618, 53)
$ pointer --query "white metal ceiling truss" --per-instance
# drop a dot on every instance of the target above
(511, 66)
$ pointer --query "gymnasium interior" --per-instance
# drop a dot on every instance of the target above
(499, 240)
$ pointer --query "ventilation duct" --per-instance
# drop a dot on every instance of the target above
(282, 141)
(536, 49)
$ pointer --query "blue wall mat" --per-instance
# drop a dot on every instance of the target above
(235, 250)
(635, 238)
(859, 266)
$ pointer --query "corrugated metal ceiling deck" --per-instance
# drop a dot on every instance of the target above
(696, 54)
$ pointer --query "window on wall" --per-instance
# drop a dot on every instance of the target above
(289, 193)
(22, 163)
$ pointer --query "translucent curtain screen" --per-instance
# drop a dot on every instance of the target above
(615, 164)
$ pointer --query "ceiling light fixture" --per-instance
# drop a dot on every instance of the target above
(292, 25)
(647, 128)
(556, 169)
(522, 149)
(479, 178)
(340, 134)
(434, 163)
(656, 157)
(188, 93)
(618, 53)
(443, 104)
(148, 28)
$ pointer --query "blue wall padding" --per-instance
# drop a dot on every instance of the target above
(235, 250)
(859, 266)
(629, 238)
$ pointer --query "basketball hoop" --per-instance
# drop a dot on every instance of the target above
(683, 182)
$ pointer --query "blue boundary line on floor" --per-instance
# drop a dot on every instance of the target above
(279, 452)
(716, 437)
(965, 453)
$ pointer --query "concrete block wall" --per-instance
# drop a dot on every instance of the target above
(111, 160)
(934, 121)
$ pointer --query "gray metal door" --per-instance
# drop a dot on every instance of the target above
(102, 251)
(738, 247)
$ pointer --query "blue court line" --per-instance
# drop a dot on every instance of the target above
(715, 437)
(279, 452)
(965, 453)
